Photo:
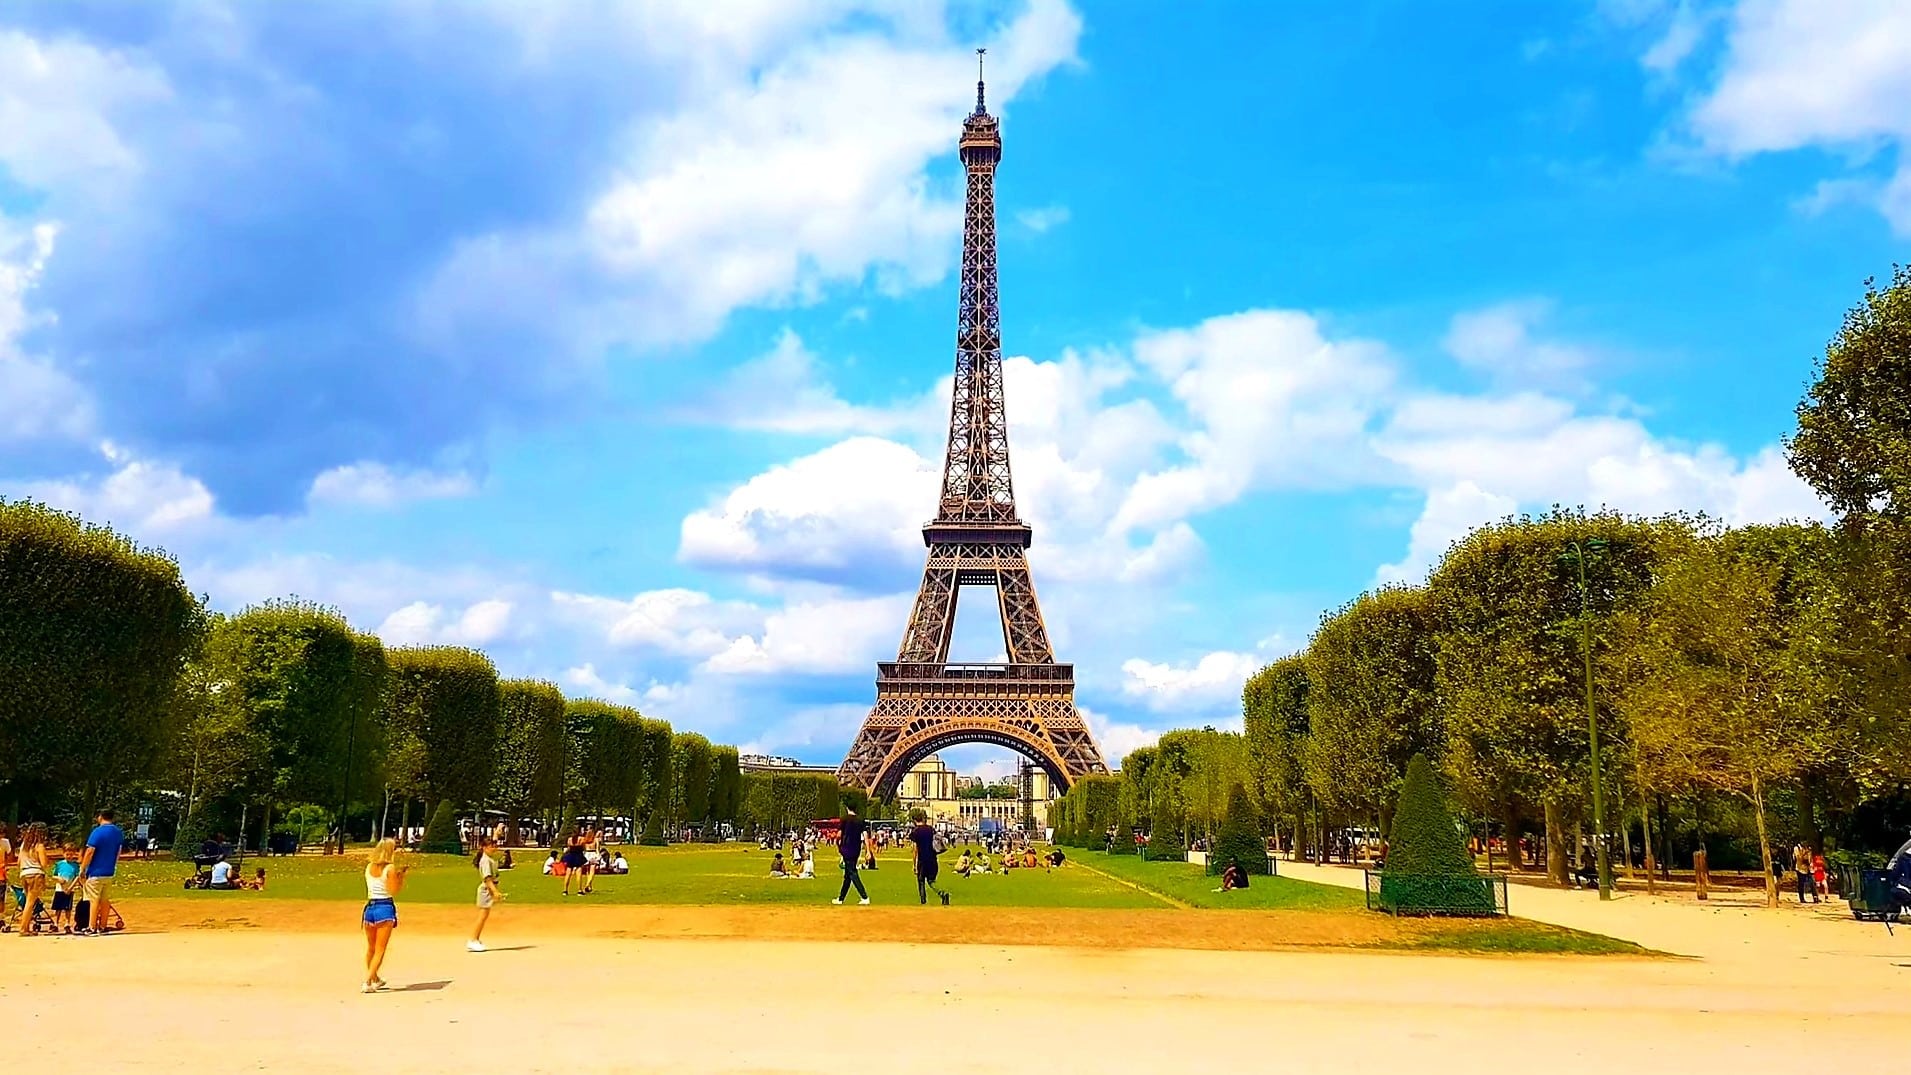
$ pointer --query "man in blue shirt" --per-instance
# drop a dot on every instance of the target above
(97, 864)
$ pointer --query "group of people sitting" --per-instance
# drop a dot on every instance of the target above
(970, 863)
(805, 869)
(224, 875)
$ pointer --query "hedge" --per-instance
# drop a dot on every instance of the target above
(1428, 869)
(1240, 837)
(441, 832)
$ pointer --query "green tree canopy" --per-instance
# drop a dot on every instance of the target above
(95, 632)
(441, 712)
(530, 769)
(1370, 697)
(1274, 719)
(1854, 425)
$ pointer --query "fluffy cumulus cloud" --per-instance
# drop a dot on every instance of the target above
(421, 623)
(1209, 683)
(149, 499)
(1799, 74)
(40, 400)
(387, 257)
(376, 485)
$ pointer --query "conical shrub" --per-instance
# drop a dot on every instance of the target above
(1423, 840)
(441, 832)
(1240, 837)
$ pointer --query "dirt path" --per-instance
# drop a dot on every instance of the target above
(284, 1000)
(1736, 929)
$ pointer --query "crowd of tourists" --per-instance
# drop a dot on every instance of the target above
(59, 886)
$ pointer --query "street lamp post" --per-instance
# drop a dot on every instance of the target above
(345, 793)
(1579, 554)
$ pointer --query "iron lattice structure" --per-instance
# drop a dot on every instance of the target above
(923, 702)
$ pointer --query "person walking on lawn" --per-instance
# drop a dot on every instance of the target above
(922, 839)
(849, 842)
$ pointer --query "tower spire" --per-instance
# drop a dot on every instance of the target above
(979, 107)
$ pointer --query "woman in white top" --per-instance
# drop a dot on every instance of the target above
(488, 893)
(33, 867)
(383, 880)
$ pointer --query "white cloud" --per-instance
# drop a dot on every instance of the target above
(1830, 74)
(371, 484)
(585, 678)
(61, 104)
(39, 400)
(819, 731)
(781, 392)
(829, 514)
(1269, 398)
(1043, 219)
(845, 107)
(422, 623)
(1213, 681)
(680, 622)
(1499, 340)
(1682, 36)
(1117, 738)
(820, 637)
(140, 497)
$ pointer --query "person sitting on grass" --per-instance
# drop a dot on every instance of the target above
(550, 864)
(1232, 877)
(621, 865)
(964, 864)
(1028, 859)
(776, 866)
(223, 876)
(807, 871)
(1056, 858)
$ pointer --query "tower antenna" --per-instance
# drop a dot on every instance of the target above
(979, 109)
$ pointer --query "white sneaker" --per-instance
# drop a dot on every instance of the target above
(473, 946)
(839, 903)
(864, 901)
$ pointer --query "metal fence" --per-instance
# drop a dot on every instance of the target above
(1423, 894)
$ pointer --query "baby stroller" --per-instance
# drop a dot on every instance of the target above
(42, 918)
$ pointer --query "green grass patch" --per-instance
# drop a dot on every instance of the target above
(1190, 884)
(1519, 936)
(685, 874)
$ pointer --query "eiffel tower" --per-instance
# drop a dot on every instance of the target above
(923, 702)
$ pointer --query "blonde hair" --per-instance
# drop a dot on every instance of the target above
(382, 854)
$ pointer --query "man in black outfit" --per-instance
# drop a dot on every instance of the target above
(927, 866)
(850, 843)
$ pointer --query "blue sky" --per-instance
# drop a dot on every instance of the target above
(615, 339)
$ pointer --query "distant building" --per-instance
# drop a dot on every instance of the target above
(770, 763)
(936, 788)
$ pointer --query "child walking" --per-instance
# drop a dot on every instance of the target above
(488, 893)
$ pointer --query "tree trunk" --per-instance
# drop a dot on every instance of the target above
(1764, 845)
(1579, 841)
(1808, 817)
(1625, 841)
(1510, 833)
(1645, 830)
(404, 821)
(265, 830)
(1555, 845)
(1665, 842)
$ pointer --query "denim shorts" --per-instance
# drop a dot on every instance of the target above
(379, 912)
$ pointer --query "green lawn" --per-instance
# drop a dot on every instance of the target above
(1190, 884)
(702, 874)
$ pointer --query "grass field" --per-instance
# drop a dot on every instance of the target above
(685, 874)
(1096, 899)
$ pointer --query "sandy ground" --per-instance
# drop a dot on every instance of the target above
(690, 990)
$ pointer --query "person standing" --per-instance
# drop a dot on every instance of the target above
(33, 867)
(383, 881)
(97, 865)
(6, 856)
(1801, 866)
(922, 841)
(850, 843)
(573, 861)
(488, 893)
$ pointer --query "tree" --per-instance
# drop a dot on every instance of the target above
(1274, 719)
(441, 832)
(690, 779)
(441, 706)
(1509, 667)
(530, 767)
(659, 760)
(1370, 699)
(608, 743)
(1853, 443)
(1240, 837)
(1728, 695)
(1137, 784)
(726, 786)
(1425, 841)
(291, 669)
(95, 632)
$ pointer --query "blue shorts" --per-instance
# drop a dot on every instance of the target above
(380, 912)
